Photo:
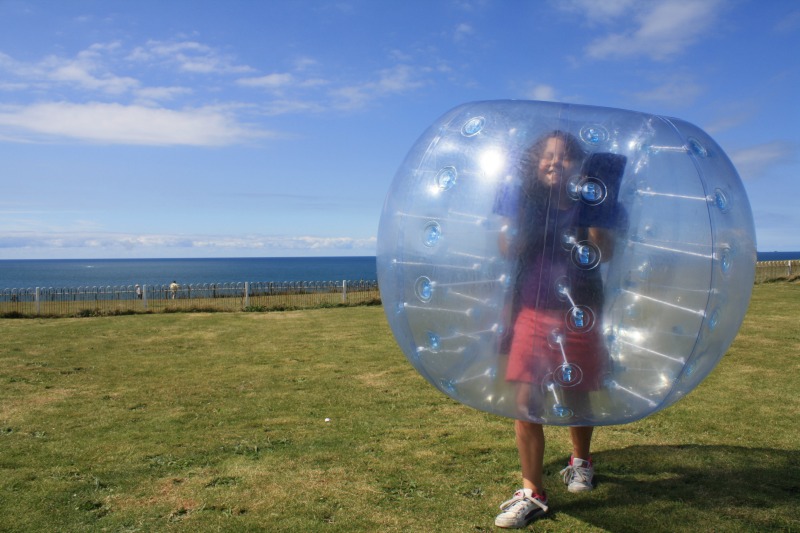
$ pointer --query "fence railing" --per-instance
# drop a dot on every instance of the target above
(775, 270)
(48, 301)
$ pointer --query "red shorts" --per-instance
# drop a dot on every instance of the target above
(578, 362)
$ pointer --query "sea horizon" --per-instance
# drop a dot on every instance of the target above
(64, 273)
(27, 273)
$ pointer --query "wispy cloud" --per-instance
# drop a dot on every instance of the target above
(269, 81)
(291, 106)
(756, 161)
(90, 73)
(90, 100)
(297, 91)
(789, 23)
(731, 115)
(100, 95)
(188, 56)
(99, 241)
(394, 80)
(462, 32)
(595, 12)
(677, 90)
(543, 92)
(124, 124)
(87, 71)
(153, 95)
(471, 6)
(659, 30)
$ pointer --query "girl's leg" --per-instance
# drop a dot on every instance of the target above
(579, 474)
(530, 444)
(581, 437)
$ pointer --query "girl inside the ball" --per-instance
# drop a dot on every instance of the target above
(562, 218)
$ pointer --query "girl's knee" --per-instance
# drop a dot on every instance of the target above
(528, 429)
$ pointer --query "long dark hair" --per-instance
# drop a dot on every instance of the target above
(537, 197)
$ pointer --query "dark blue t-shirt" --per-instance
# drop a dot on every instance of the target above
(560, 265)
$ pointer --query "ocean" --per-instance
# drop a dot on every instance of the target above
(778, 256)
(69, 273)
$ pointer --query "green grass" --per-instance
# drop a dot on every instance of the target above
(216, 422)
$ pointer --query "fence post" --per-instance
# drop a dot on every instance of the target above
(36, 297)
(144, 296)
(789, 269)
(344, 291)
(246, 294)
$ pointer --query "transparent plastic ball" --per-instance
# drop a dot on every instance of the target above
(565, 264)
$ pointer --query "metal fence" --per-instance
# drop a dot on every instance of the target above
(247, 296)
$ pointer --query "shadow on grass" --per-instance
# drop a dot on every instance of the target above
(690, 488)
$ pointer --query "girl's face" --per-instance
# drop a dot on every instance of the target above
(554, 162)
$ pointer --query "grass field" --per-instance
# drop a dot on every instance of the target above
(217, 422)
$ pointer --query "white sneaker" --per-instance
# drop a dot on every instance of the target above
(521, 510)
(578, 475)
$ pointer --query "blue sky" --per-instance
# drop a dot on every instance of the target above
(244, 128)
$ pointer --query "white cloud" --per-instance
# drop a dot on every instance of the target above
(7, 86)
(188, 56)
(304, 62)
(117, 109)
(395, 80)
(732, 115)
(81, 75)
(57, 242)
(153, 94)
(677, 90)
(270, 81)
(755, 161)
(471, 5)
(6, 61)
(92, 97)
(18, 69)
(462, 32)
(313, 82)
(660, 30)
(86, 71)
(279, 82)
(286, 106)
(543, 92)
(788, 23)
(120, 124)
(598, 12)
